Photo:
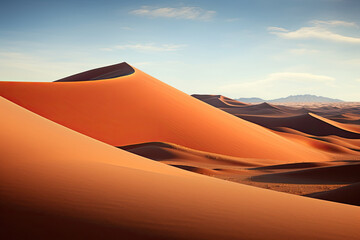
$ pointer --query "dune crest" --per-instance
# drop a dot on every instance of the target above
(112, 71)
(219, 101)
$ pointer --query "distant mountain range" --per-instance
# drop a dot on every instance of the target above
(290, 99)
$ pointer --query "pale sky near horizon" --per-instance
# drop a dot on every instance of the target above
(259, 48)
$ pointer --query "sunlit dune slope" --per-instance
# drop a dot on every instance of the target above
(58, 184)
(139, 108)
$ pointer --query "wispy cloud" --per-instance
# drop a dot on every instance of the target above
(232, 19)
(334, 23)
(192, 13)
(299, 77)
(318, 30)
(148, 47)
(302, 51)
(352, 62)
(106, 49)
(26, 67)
(151, 47)
(277, 29)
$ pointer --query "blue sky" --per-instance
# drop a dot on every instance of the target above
(259, 48)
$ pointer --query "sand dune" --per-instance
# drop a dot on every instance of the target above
(243, 171)
(349, 143)
(342, 174)
(308, 123)
(349, 118)
(329, 144)
(238, 108)
(340, 112)
(348, 194)
(329, 128)
(173, 154)
(62, 184)
(219, 101)
(261, 109)
(295, 165)
(112, 71)
(139, 108)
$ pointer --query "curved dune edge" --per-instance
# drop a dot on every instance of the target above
(139, 108)
(108, 72)
(307, 123)
(219, 101)
(85, 186)
(343, 126)
(170, 153)
(327, 174)
(329, 144)
(349, 194)
(267, 109)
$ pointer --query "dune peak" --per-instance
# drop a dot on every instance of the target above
(107, 72)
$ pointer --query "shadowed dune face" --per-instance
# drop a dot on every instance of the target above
(348, 194)
(266, 109)
(79, 187)
(308, 123)
(139, 108)
(113, 71)
(328, 174)
(219, 101)
(177, 155)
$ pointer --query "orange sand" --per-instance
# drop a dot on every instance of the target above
(58, 184)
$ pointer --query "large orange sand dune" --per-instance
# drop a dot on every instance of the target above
(138, 108)
(59, 184)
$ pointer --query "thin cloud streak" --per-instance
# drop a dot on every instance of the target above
(289, 82)
(302, 51)
(319, 30)
(334, 23)
(18, 66)
(190, 13)
(284, 77)
(147, 47)
(151, 47)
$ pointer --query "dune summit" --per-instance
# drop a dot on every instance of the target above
(112, 71)
(138, 108)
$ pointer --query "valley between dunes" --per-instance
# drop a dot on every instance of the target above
(113, 153)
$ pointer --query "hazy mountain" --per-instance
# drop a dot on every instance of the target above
(292, 98)
(251, 100)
